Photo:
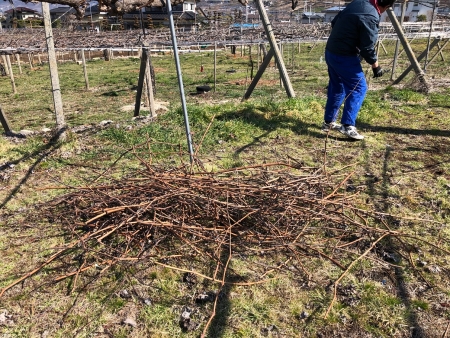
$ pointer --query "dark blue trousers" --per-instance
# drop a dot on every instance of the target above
(347, 85)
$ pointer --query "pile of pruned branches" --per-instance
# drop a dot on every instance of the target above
(187, 220)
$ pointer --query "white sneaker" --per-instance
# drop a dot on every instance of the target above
(326, 127)
(350, 131)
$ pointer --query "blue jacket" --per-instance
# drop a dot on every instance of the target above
(355, 31)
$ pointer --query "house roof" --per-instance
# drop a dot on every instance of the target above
(22, 10)
(334, 9)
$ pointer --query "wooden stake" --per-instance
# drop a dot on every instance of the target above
(397, 44)
(30, 60)
(18, 63)
(56, 90)
(6, 64)
(11, 75)
(274, 51)
(4, 122)
(149, 81)
(419, 58)
(412, 58)
(86, 79)
(215, 65)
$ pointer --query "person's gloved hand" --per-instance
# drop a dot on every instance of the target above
(378, 71)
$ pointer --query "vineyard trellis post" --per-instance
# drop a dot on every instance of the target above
(274, 51)
(397, 44)
(419, 58)
(149, 85)
(30, 61)
(144, 75)
(18, 63)
(429, 37)
(83, 60)
(11, 74)
(6, 64)
(215, 65)
(56, 90)
(409, 52)
(4, 121)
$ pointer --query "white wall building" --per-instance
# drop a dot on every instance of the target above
(413, 10)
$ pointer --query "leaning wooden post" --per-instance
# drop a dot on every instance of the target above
(278, 56)
(4, 122)
(149, 81)
(56, 90)
(86, 79)
(142, 71)
(429, 38)
(419, 58)
(397, 44)
(5, 63)
(11, 75)
(30, 60)
(18, 63)
(412, 58)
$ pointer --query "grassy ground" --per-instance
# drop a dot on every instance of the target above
(402, 168)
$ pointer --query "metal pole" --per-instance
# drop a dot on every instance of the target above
(180, 81)
(142, 24)
(56, 90)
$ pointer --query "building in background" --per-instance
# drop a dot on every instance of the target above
(21, 17)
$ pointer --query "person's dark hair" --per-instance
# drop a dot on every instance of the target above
(385, 3)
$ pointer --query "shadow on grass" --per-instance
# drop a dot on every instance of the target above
(405, 131)
(114, 93)
(390, 247)
(255, 117)
(219, 323)
(40, 154)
